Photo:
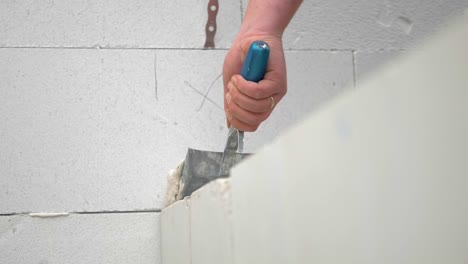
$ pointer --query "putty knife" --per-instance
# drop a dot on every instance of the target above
(202, 167)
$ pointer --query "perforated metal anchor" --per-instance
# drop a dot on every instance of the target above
(210, 28)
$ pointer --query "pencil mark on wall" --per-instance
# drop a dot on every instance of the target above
(205, 97)
(155, 79)
(208, 91)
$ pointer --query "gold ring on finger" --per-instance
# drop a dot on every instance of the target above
(272, 102)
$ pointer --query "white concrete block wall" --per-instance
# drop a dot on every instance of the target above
(176, 242)
(198, 229)
(95, 101)
(111, 24)
(80, 238)
(358, 181)
(75, 119)
(80, 131)
(210, 221)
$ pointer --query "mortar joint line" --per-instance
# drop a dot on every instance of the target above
(155, 77)
(82, 212)
(241, 11)
(353, 53)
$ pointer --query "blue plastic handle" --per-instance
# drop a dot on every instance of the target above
(255, 63)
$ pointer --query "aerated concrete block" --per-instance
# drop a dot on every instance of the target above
(211, 226)
(199, 229)
(80, 131)
(122, 24)
(176, 247)
(81, 238)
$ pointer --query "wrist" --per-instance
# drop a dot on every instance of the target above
(264, 28)
(268, 17)
(244, 40)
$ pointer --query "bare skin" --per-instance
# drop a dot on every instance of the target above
(248, 104)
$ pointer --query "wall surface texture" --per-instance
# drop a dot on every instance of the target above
(100, 99)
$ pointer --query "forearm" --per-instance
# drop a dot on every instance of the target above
(270, 17)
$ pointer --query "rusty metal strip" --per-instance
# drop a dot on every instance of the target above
(210, 27)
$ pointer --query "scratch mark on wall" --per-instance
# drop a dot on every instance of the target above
(155, 78)
(208, 91)
(353, 54)
(404, 24)
(390, 17)
(385, 17)
(164, 120)
(203, 95)
(299, 35)
(241, 11)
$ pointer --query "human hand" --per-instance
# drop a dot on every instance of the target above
(247, 104)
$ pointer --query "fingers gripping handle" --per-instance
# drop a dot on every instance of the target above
(255, 63)
(253, 70)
